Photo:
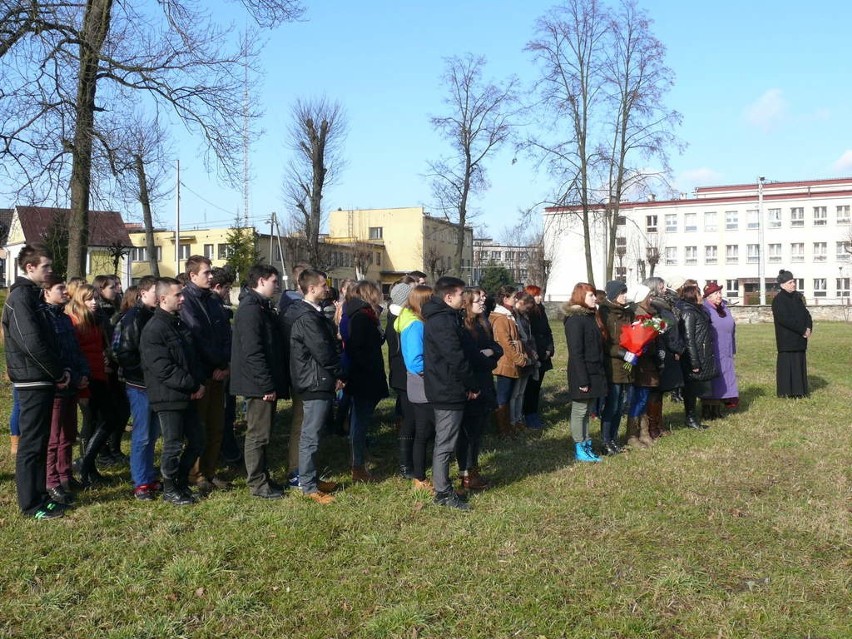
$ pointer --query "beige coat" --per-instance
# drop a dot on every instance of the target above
(506, 334)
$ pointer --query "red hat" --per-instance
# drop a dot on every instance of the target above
(711, 288)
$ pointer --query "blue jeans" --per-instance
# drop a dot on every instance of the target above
(639, 401)
(613, 408)
(362, 416)
(15, 417)
(143, 437)
(516, 401)
(504, 389)
(316, 411)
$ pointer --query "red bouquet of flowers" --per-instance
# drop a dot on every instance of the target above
(636, 336)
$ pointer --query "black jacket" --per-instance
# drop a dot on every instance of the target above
(671, 376)
(473, 345)
(257, 365)
(125, 343)
(698, 339)
(32, 353)
(585, 353)
(203, 313)
(363, 348)
(397, 376)
(448, 374)
(170, 364)
(314, 352)
(543, 337)
(792, 319)
(70, 355)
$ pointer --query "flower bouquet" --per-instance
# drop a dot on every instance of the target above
(636, 336)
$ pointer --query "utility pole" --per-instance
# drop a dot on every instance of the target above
(177, 222)
(761, 271)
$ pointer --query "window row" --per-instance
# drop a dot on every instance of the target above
(774, 254)
(731, 221)
(819, 289)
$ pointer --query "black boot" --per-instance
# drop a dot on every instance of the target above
(406, 459)
(692, 422)
(173, 494)
(89, 474)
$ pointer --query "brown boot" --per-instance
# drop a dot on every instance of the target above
(13, 444)
(644, 434)
(473, 480)
(501, 415)
(633, 433)
(655, 419)
(362, 475)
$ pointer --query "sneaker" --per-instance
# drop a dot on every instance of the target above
(177, 498)
(451, 500)
(51, 510)
(293, 479)
(144, 492)
(268, 492)
(320, 497)
(61, 496)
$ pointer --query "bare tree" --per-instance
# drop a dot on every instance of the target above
(72, 63)
(479, 122)
(602, 73)
(433, 262)
(316, 137)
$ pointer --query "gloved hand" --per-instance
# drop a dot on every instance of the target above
(630, 358)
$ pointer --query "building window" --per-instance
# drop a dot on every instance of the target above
(843, 214)
(710, 221)
(732, 253)
(820, 216)
(651, 223)
(671, 222)
(843, 251)
(621, 220)
(752, 219)
(620, 242)
(208, 251)
(842, 287)
(775, 218)
(800, 284)
(376, 232)
(731, 220)
(139, 254)
(820, 289)
(183, 252)
(496, 255)
(752, 253)
(732, 288)
(775, 253)
(797, 252)
(691, 254)
(797, 216)
(378, 258)
(711, 254)
(820, 251)
(671, 255)
(690, 222)
(621, 273)
(224, 251)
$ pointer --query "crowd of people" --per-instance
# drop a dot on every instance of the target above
(173, 355)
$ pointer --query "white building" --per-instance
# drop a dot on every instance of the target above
(717, 235)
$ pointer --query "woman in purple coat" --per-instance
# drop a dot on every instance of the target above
(723, 389)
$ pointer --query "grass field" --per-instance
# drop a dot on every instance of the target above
(739, 531)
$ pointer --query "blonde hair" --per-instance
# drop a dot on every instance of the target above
(367, 290)
(76, 308)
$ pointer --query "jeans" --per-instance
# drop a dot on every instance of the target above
(639, 400)
(447, 424)
(516, 403)
(613, 408)
(143, 437)
(362, 416)
(470, 440)
(178, 459)
(63, 432)
(297, 415)
(31, 463)
(532, 393)
(580, 419)
(504, 387)
(316, 411)
(259, 418)
(15, 417)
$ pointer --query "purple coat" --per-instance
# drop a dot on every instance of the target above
(725, 347)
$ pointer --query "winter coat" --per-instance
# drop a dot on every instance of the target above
(410, 330)
(448, 373)
(646, 371)
(92, 343)
(32, 355)
(614, 317)
(125, 344)
(724, 386)
(528, 341)
(364, 350)
(506, 334)
(543, 336)
(585, 353)
(314, 352)
(172, 369)
(483, 367)
(69, 349)
(792, 319)
(258, 367)
(671, 376)
(695, 326)
(203, 313)
(397, 379)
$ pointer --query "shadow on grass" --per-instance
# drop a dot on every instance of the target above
(748, 395)
(815, 383)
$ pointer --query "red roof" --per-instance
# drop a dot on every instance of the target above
(105, 227)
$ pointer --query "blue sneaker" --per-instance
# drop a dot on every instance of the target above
(293, 479)
(583, 452)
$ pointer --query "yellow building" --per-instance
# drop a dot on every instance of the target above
(211, 243)
(402, 240)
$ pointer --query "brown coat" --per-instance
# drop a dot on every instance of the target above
(506, 334)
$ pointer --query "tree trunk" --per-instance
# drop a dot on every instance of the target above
(147, 219)
(96, 24)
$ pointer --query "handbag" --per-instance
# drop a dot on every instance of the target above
(416, 388)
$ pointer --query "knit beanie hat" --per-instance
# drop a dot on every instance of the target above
(614, 289)
(639, 293)
(399, 293)
(784, 276)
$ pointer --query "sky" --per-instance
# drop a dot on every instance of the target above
(763, 87)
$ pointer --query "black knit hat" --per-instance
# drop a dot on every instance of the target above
(784, 276)
(614, 289)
